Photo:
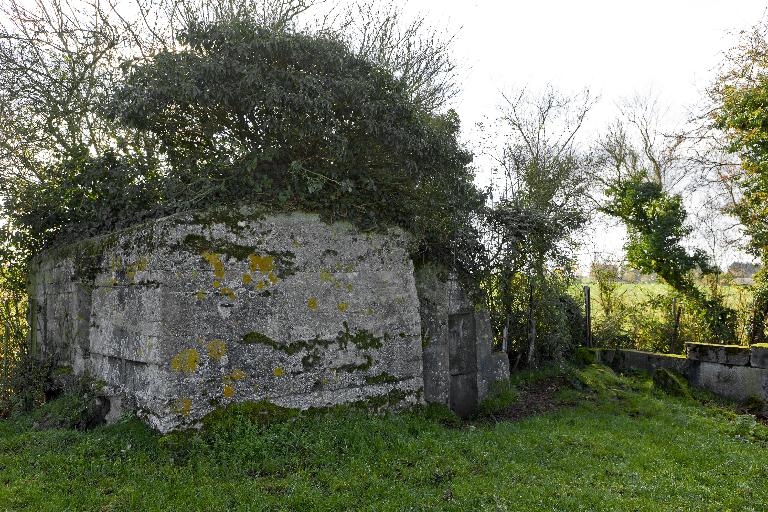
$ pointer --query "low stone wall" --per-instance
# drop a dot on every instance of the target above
(195, 311)
(731, 371)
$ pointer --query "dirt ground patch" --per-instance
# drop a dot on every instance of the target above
(536, 398)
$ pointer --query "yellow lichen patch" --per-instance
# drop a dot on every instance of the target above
(216, 349)
(237, 374)
(216, 284)
(345, 267)
(247, 279)
(216, 263)
(343, 306)
(278, 372)
(349, 287)
(141, 264)
(131, 275)
(261, 285)
(228, 292)
(229, 391)
(200, 295)
(312, 303)
(185, 361)
(273, 278)
(326, 276)
(183, 406)
(263, 264)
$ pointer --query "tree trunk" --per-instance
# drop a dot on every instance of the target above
(758, 323)
(531, 327)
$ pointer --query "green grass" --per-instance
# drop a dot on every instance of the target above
(624, 448)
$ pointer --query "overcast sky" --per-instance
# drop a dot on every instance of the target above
(617, 49)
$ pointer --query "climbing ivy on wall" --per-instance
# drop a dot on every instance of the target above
(655, 230)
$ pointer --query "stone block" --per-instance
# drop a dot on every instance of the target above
(733, 382)
(759, 355)
(464, 399)
(724, 354)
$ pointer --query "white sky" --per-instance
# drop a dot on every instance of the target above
(617, 49)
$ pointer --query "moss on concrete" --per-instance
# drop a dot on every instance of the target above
(585, 356)
(382, 378)
(671, 382)
(361, 339)
(261, 412)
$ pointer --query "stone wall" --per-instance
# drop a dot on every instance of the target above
(196, 311)
(731, 371)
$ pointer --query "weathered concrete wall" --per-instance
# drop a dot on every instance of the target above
(196, 311)
(731, 371)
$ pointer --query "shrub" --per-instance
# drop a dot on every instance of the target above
(296, 121)
(501, 395)
(584, 356)
(30, 384)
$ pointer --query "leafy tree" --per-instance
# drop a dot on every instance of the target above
(290, 120)
(226, 102)
(644, 174)
(656, 230)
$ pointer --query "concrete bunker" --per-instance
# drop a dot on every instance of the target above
(195, 311)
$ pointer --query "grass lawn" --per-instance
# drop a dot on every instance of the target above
(736, 296)
(623, 447)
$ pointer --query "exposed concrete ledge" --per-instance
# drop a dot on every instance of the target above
(639, 360)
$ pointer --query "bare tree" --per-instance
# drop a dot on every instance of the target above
(414, 50)
(636, 143)
(540, 201)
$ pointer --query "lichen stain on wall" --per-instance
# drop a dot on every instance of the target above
(216, 349)
(215, 261)
(237, 374)
(263, 264)
(183, 406)
(186, 361)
